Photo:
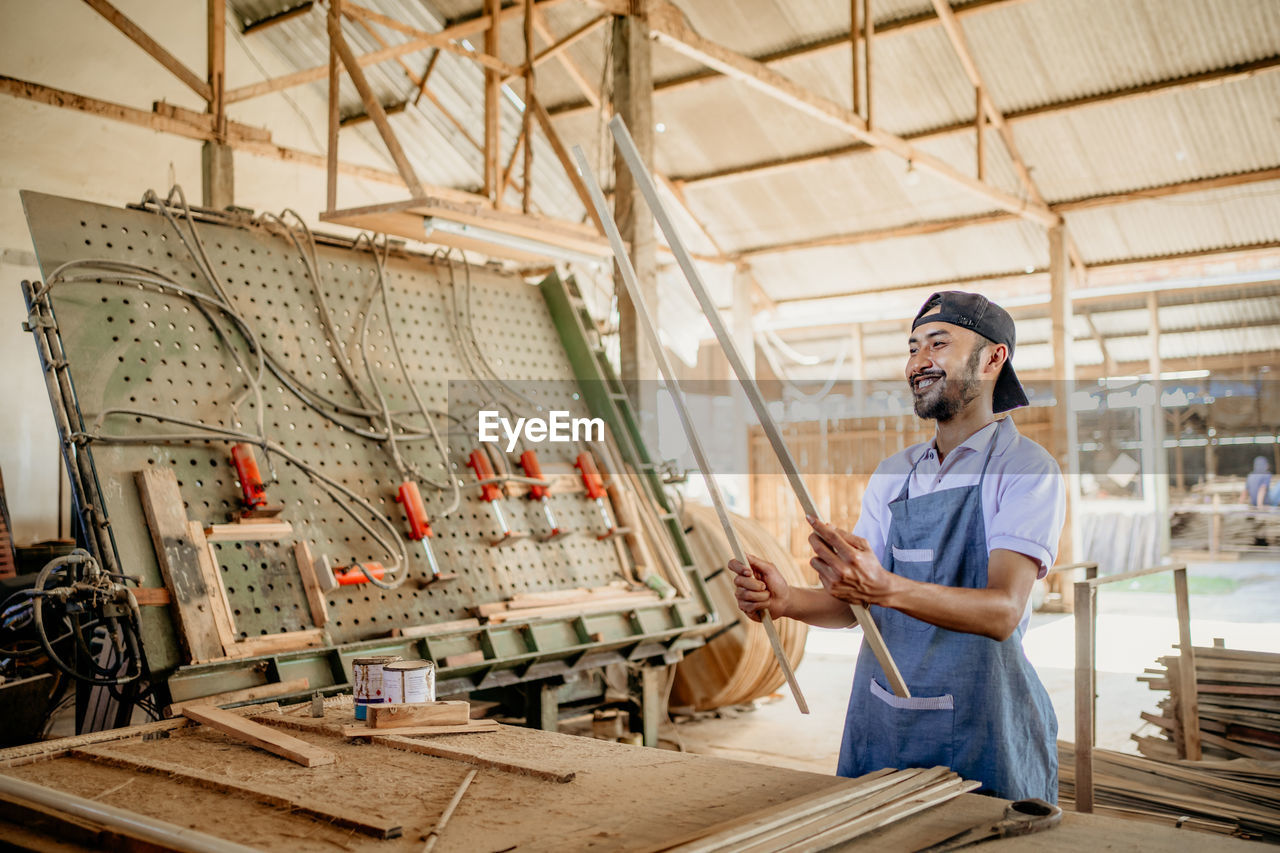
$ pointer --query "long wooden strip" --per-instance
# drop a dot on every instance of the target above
(248, 694)
(243, 532)
(434, 835)
(358, 820)
(642, 175)
(272, 644)
(473, 727)
(179, 560)
(645, 320)
(439, 751)
(256, 734)
(311, 584)
(219, 606)
(16, 756)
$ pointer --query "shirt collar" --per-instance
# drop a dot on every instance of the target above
(1004, 436)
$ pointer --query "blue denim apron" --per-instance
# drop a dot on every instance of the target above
(977, 705)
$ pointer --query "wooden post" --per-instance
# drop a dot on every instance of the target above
(1161, 468)
(217, 169)
(853, 59)
(633, 101)
(335, 79)
(1188, 701)
(1084, 695)
(1062, 446)
(492, 101)
(979, 119)
(869, 30)
(527, 117)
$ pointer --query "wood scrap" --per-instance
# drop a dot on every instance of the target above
(399, 715)
(358, 820)
(274, 644)
(256, 734)
(469, 727)
(416, 631)
(1241, 793)
(434, 835)
(245, 531)
(223, 617)
(1238, 701)
(16, 756)
(464, 659)
(151, 596)
(248, 694)
(316, 600)
(437, 750)
(621, 603)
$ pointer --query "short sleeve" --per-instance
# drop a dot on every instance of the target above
(1032, 506)
(873, 519)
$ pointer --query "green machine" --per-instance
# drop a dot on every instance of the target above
(170, 336)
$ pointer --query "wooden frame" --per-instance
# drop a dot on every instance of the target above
(1086, 617)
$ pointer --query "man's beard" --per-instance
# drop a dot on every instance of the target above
(946, 398)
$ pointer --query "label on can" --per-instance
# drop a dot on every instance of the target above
(367, 681)
(409, 681)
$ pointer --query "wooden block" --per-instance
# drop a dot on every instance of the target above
(270, 644)
(311, 584)
(397, 715)
(256, 734)
(179, 560)
(464, 659)
(256, 531)
(248, 694)
(471, 727)
(151, 596)
(223, 618)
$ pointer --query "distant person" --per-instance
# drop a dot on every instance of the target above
(1256, 485)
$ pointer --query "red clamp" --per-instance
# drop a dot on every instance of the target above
(255, 493)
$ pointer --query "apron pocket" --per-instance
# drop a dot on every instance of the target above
(910, 732)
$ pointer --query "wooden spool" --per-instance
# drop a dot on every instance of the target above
(737, 665)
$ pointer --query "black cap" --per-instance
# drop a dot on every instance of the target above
(977, 313)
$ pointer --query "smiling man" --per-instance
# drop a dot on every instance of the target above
(951, 538)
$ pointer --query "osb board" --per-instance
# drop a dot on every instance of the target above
(623, 797)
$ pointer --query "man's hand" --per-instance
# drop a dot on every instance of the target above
(759, 587)
(847, 566)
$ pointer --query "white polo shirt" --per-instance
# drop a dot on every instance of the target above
(1024, 497)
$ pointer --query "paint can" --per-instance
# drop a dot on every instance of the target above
(409, 681)
(366, 677)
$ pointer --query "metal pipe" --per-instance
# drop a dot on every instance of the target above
(158, 832)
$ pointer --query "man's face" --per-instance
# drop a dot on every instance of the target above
(945, 369)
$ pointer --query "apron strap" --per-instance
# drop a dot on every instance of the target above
(904, 492)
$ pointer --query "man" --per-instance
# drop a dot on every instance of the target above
(952, 536)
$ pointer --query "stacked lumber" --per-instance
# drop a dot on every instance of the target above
(737, 663)
(831, 817)
(1236, 797)
(1238, 699)
(615, 596)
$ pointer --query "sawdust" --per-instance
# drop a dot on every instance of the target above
(623, 798)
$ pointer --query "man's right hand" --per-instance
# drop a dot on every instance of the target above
(759, 587)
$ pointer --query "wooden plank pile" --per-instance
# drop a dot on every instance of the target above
(1238, 696)
(830, 817)
(1237, 797)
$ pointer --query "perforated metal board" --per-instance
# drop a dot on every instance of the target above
(135, 348)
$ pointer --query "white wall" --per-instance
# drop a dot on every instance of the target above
(65, 44)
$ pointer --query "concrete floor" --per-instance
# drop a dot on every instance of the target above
(1134, 628)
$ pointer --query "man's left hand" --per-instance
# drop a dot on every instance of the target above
(847, 566)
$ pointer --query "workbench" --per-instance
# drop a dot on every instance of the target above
(620, 797)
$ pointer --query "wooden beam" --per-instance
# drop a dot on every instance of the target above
(492, 103)
(833, 41)
(854, 57)
(426, 76)
(260, 736)
(334, 121)
(489, 58)
(934, 226)
(179, 561)
(558, 47)
(135, 34)
(371, 104)
(526, 117)
(1107, 360)
(570, 67)
(1213, 77)
(671, 30)
(868, 37)
(356, 119)
(562, 154)
(260, 24)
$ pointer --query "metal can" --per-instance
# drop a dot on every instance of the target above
(366, 678)
(409, 681)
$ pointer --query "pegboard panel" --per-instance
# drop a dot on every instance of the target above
(136, 348)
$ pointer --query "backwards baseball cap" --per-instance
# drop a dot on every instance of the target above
(979, 314)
